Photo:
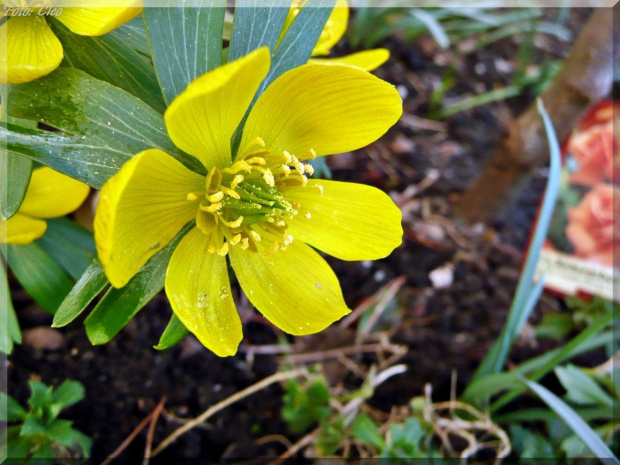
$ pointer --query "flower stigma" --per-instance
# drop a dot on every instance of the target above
(243, 204)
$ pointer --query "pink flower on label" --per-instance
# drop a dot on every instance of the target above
(596, 152)
(594, 228)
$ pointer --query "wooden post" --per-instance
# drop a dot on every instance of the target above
(585, 78)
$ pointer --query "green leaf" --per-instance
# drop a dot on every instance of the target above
(39, 274)
(555, 326)
(9, 332)
(574, 421)
(257, 23)
(412, 433)
(10, 410)
(364, 429)
(186, 42)
(295, 47)
(529, 445)
(544, 414)
(69, 244)
(481, 390)
(68, 393)
(582, 389)
(173, 334)
(44, 455)
(14, 182)
(60, 431)
(40, 396)
(305, 405)
(134, 35)
(112, 60)
(13, 445)
(83, 442)
(101, 126)
(90, 284)
(300, 39)
(119, 306)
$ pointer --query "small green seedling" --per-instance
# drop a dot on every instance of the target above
(305, 405)
(38, 435)
(401, 441)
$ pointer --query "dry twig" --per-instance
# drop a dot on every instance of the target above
(275, 378)
(128, 440)
(151, 430)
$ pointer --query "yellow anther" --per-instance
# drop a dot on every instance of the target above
(254, 235)
(245, 243)
(280, 223)
(233, 224)
(256, 153)
(268, 177)
(287, 157)
(256, 161)
(214, 178)
(236, 180)
(230, 192)
(308, 168)
(258, 141)
(312, 154)
(191, 197)
(206, 222)
(288, 239)
(307, 215)
(319, 188)
(286, 169)
(223, 250)
(237, 166)
(214, 198)
(211, 208)
(235, 239)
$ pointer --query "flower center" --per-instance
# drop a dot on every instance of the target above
(243, 205)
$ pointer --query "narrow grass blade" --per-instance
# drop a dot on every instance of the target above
(524, 297)
(574, 421)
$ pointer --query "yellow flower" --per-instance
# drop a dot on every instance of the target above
(50, 194)
(255, 206)
(28, 47)
(333, 31)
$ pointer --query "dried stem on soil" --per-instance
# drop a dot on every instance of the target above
(586, 78)
(275, 378)
(149, 435)
(471, 431)
(129, 438)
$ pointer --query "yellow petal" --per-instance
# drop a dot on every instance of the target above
(334, 29)
(295, 288)
(142, 208)
(28, 49)
(97, 20)
(21, 229)
(349, 221)
(328, 108)
(198, 288)
(368, 60)
(51, 194)
(203, 118)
